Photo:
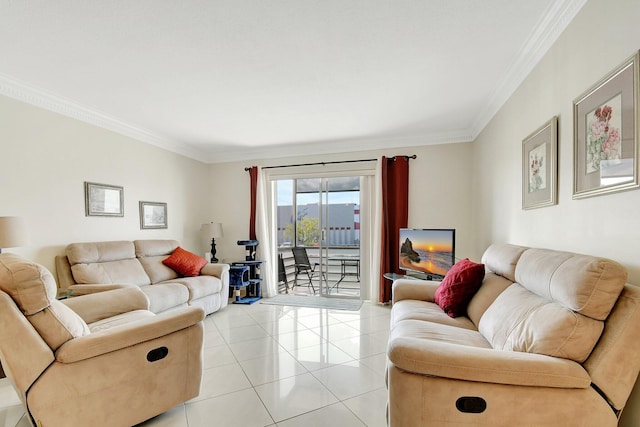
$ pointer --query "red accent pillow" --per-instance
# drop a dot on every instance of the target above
(184, 262)
(459, 285)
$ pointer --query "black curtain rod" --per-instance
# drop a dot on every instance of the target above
(329, 163)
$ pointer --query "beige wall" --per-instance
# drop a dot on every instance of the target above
(603, 35)
(439, 192)
(45, 159)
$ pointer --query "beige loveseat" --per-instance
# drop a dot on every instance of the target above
(98, 266)
(550, 339)
(94, 360)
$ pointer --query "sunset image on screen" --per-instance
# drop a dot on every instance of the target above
(427, 251)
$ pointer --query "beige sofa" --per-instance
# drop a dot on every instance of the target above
(550, 339)
(94, 360)
(93, 267)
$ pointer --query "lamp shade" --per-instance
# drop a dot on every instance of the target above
(212, 229)
(13, 232)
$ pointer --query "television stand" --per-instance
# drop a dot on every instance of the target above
(396, 276)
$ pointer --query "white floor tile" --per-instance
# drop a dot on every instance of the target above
(8, 396)
(330, 416)
(284, 325)
(321, 356)
(272, 367)
(349, 380)
(370, 407)
(318, 320)
(233, 321)
(255, 348)
(369, 325)
(218, 356)
(296, 340)
(222, 380)
(212, 337)
(336, 332)
(266, 316)
(362, 346)
(175, 417)
(239, 409)
(243, 333)
(378, 363)
(10, 416)
(294, 396)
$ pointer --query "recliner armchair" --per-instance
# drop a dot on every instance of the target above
(102, 359)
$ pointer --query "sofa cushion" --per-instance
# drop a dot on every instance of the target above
(199, 286)
(184, 262)
(520, 320)
(492, 286)
(125, 271)
(426, 311)
(585, 284)
(156, 270)
(459, 285)
(30, 285)
(163, 296)
(147, 248)
(58, 324)
(501, 259)
(90, 252)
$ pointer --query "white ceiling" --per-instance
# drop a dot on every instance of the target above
(225, 80)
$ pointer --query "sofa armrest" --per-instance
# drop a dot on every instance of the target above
(422, 290)
(98, 306)
(463, 362)
(127, 335)
(93, 288)
(216, 270)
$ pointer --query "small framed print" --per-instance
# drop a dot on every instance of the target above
(103, 200)
(540, 166)
(153, 215)
(606, 134)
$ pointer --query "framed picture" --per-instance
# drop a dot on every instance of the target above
(153, 215)
(606, 134)
(540, 166)
(103, 200)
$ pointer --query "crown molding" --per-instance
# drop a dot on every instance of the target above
(555, 20)
(346, 145)
(21, 91)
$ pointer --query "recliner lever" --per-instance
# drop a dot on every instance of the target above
(471, 404)
(157, 354)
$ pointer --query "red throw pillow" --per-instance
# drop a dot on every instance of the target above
(459, 285)
(184, 262)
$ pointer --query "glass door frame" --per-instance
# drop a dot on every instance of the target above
(366, 172)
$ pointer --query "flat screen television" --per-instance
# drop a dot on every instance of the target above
(429, 252)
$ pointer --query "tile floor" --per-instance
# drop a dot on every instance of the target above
(269, 365)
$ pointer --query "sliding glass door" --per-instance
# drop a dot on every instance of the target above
(319, 217)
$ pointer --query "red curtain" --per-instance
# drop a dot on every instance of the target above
(395, 215)
(253, 173)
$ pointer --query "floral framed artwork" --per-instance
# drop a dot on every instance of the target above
(103, 200)
(606, 134)
(540, 166)
(153, 215)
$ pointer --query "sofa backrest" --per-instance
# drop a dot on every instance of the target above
(106, 263)
(33, 289)
(556, 307)
(500, 261)
(151, 253)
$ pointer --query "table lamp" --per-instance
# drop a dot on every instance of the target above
(212, 230)
(13, 232)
